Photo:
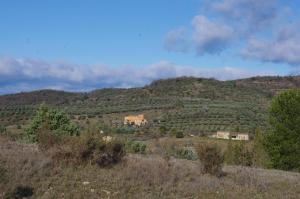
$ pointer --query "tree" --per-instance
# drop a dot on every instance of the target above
(260, 157)
(52, 120)
(282, 142)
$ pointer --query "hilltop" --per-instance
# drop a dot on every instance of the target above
(195, 105)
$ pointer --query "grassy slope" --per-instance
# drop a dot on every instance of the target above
(138, 177)
(191, 104)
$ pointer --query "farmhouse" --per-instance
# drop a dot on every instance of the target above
(231, 135)
(136, 120)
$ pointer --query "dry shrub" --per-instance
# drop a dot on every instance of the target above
(144, 174)
(254, 179)
(211, 159)
(3, 174)
(90, 148)
(239, 153)
(47, 139)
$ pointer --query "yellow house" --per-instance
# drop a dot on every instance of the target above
(137, 120)
(223, 135)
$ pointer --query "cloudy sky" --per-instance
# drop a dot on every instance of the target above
(80, 45)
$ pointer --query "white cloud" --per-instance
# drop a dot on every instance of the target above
(204, 36)
(284, 48)
(248, 15)
(223, 23)
(176, 40)
(209, 36)
(28, 74)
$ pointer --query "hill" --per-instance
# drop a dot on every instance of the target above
(194, 105)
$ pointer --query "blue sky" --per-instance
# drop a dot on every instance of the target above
(83, 45)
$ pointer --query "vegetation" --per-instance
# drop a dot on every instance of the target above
(282, 142)
(53, 120)
(19, 192)
(135, 147)
(2, 129)
(211, 159)
(81, 141)
(137, 177)
(185, 153)
(179, 134)
(123, 130)
(239, 154)
(93, 149)
(260, 156)
(191, 105)
(3, 174)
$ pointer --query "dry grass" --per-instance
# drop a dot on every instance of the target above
(140, 176)
(24, 163)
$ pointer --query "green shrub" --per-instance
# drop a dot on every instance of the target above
(135, 147)
(185, 153)
(211, 159)
(53, 120)
(179, 134)
(282, 141)
(2, 129)
(163, 130)
(260, 156)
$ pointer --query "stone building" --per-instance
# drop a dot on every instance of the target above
(135, 120)
(231, 135)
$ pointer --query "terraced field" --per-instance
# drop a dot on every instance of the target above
(194, 105)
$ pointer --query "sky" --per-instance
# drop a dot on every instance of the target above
(85, 45)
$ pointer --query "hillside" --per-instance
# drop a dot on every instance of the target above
(195, 105)
(137, 176)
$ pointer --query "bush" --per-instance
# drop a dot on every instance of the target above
(178, 134)
(92, 148)
(239, 154)
(47, 139)
(211, 159)
(163, 130)
(282, 141)
(135, 147)
(185, 153)
(55, 121)
(3, 174)
(2, 129)
(19, 192)
(111, 154)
